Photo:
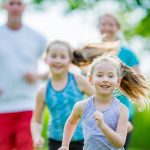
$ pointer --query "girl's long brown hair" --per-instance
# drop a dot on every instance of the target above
(85, 55)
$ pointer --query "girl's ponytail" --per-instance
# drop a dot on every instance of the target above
(134, 85)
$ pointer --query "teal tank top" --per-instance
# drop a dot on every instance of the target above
(60, 105)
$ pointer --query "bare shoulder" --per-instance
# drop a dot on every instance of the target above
(123, 108)
(83, 84)
(80, 78)
(41, 92)
(80, 106)
(81, 81)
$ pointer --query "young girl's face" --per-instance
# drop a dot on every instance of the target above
(58, 58)
(105, 78)
(108, 27)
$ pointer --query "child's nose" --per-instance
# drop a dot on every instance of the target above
(58, 60)
(105, 79)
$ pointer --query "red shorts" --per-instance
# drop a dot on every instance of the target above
(15, 131)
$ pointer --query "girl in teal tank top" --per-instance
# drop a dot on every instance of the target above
(62, 91)
(60, 104)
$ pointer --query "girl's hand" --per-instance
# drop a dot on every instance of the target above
(31, 78)
(99, 118)
(63, 148)
(38, 142)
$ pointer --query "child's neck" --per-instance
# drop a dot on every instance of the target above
(59, 77)
(59, 81)
(103, 98)
(103, 102)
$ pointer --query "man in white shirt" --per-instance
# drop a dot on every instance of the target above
(20, 49)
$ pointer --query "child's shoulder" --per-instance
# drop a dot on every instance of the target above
(122, 107)
(81, 105)
(42, 91)
(81, 81)
(79, 77)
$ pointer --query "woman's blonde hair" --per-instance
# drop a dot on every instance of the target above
(132, 84)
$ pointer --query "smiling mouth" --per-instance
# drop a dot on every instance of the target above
(58, 67)
(104, 86)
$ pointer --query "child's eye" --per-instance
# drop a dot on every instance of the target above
(63, 57)
(111, 76)
(53, 56)
(99, 75)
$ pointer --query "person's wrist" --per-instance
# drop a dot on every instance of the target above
(101, 124)
(65, 147)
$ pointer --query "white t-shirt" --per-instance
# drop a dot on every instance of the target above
(19, 53)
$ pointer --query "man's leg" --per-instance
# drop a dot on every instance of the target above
(23, 134)
(7, 130)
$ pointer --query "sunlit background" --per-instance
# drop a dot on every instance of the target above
(56, 21)
(76, 22)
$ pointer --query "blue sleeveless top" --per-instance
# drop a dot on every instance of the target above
(60, 105)
(94, 139)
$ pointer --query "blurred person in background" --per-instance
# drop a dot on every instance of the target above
(109, 27)
(20, 49)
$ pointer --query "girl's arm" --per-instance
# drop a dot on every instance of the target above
(71, 124)
(117, 138)
(84, 85)
(130, 127)
(36, 123)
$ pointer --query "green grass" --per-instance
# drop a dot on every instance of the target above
(141, 136)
